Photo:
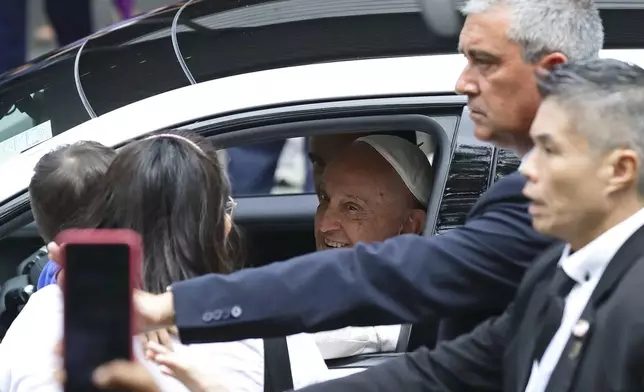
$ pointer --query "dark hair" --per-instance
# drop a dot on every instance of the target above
(64, 183)
(174, 193)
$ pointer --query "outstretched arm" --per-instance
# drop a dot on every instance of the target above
(476, 267)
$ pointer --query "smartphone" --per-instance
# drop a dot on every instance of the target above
(101, 268)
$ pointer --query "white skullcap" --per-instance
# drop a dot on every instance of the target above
(409, 161)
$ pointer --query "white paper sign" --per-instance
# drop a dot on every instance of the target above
(24, 140)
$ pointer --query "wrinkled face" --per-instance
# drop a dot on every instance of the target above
(500, 86)
(322, 149)
(362, 199)
(569, 183)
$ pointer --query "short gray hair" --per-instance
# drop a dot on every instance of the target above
(540, 27)
(605, 100)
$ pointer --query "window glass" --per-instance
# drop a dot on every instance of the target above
(223, 38)
(41, 103)
(130, 64)
(276, 167)
(19, 132)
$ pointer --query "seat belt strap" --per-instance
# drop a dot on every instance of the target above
(277, 366)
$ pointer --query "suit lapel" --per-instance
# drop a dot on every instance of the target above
(531, 317)
(530, 323)
(621, 262)
(564, 373)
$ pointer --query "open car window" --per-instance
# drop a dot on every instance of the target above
(283, 166)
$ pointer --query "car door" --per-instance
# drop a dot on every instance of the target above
(278, 227)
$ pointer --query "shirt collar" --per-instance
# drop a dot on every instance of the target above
(593, 258)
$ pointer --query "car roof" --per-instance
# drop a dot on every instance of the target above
(308, 83)
(253, 13)
(232, 37)
(327, 30)
(412, 75)
(139, 58)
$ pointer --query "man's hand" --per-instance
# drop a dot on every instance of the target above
(154, 311)
(120, 374)
(125, 376)
(181, 368)
(161, 336)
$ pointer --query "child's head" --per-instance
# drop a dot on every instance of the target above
(64, 185)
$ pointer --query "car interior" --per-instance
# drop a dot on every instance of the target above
(275, 227)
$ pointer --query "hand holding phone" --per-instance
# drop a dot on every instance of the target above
(152, 311)
(101, 268)
(123, 375)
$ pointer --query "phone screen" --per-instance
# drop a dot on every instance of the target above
(97, 310)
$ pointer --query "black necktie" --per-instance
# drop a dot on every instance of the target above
(553, 310)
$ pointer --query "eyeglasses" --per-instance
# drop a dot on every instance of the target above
(230, 206)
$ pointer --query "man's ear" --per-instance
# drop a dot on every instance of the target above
(415, 223)
(549, 61)
(623, 166)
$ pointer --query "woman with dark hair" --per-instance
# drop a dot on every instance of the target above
(171, 189)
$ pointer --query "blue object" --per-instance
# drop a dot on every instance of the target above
(13, 38)
(48, 275)
(252, 168)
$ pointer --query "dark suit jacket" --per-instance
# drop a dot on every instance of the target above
(464, 276)
(497, 355)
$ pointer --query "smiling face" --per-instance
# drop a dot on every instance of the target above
(500, 85)
(362, 199)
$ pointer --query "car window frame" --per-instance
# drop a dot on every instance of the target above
(191, 103)
(18, 205)
(418, 122)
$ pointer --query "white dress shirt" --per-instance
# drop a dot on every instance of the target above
(350, 341)
(524, 158)
(585, 267)
(28, 360)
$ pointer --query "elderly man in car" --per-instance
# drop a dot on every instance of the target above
(371, 189)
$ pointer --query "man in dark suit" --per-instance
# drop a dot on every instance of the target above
(576, 323)
(464, 275)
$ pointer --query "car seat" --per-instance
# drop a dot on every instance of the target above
(15, 292)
